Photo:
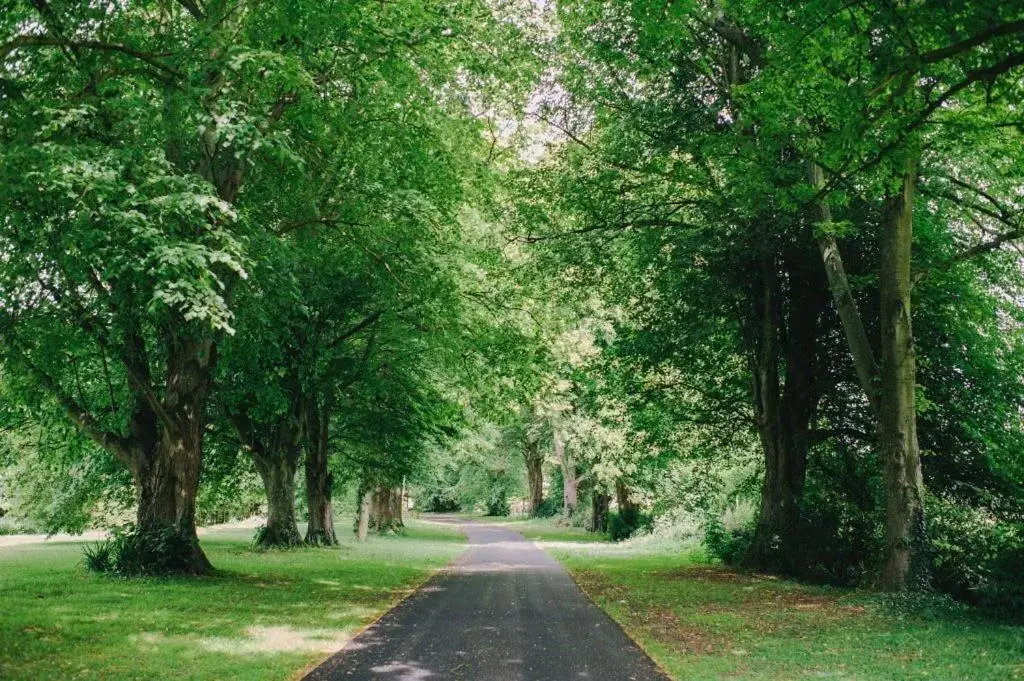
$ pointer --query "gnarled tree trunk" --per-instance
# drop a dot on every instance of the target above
(320, 530)
(275, 450)
(168, 435)
(363, 519)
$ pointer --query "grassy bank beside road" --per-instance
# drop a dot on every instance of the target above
(262, 616)
(701, 622)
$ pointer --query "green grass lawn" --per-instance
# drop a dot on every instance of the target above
(701, 621)
(544, 530)
(262, 616)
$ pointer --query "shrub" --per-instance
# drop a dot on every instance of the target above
(99, 556)
(727, 545)
(441, 502)
(549, 508)
(133, 552)
(580, 517)
(975, 557)
(497, 502)
(624, 524)
(836, 541)
(1004, 593)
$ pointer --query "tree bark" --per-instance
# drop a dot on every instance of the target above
(534, 473)
(890, 387)
(846, 306)
(599, 503)
(363, 522)
(905, 537)
(278, 474)
(386, 510)
(320, 529)
(622, 499)
(783, 413)
(169, 458)
(570, 494)
(276, 449)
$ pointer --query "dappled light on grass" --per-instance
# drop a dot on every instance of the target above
(706, 621)
(262, 616)
(269, 640)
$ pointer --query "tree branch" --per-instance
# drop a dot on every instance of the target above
(52, 41)
(996, 31)
(117, 445)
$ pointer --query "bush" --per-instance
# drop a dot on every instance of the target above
(549, 508)
(99, 556)
(976, 558)
(441, 502)
(625, 524)
(497, 503)
(727, 545)
(133, 552)
(837, 541)
(1004, 593)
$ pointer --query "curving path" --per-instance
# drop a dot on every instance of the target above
(505, 610)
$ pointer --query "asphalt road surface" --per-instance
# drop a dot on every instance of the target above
(505, 611)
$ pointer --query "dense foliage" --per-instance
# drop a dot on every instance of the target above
(744, 269)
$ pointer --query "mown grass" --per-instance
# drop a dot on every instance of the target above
(544, 529)
(701, 621)
(266, 615)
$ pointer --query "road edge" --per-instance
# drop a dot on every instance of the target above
(415, 589)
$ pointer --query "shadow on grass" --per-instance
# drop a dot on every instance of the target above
(706, 621)
(262, 615)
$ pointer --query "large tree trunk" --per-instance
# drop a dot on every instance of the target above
(278, 474)
(534, 474)
(275, 450)
(167, 466)
(905, 537)
(889, 386)
(320, 530)
(570, 485)
(386, 510)
(784, 420)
